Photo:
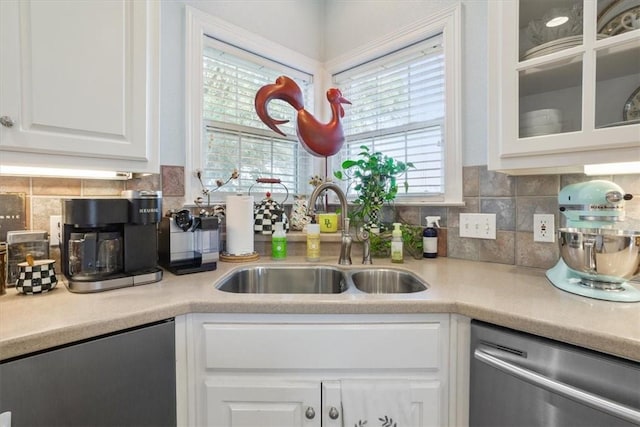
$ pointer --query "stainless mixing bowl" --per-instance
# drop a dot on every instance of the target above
(601, 256)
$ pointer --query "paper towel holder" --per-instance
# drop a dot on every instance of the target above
(246, 253)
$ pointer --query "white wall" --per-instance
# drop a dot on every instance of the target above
(323, 29)
(296, 24)
(351, 24)
(474, 83)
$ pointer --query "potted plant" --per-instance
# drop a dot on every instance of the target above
(374, 177)
(411, 239)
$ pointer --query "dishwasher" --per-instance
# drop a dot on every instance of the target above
(126, 378)
(518, 379)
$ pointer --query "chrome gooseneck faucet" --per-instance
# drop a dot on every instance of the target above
(345, 246)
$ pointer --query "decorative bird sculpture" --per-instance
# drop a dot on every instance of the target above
(319, 139)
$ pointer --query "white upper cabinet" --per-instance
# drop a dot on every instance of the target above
(79, 84)
(564, 84)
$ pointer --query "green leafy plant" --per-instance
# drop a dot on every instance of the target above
(380, 244)
(374, 177)
(412, 240)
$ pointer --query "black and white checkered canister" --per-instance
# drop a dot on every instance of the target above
(265, 216)
(36, 279)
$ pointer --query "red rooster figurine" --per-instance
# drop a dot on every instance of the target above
(320, 139)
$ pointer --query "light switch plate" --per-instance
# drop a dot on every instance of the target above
(478, 226)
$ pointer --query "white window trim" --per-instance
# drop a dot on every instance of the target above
(198, 24)
(448, 22)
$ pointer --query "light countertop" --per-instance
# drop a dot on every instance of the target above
(515, 297)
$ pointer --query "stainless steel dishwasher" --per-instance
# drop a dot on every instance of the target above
(519, 379)
(122, 379)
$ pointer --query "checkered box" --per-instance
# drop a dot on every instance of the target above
(36, 279)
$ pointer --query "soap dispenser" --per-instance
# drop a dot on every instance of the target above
(313, 242)
(396, 244)
(430, 237)
(279, 242)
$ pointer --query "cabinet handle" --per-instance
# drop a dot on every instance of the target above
(310, 413)
(333, 413)
(6, 121)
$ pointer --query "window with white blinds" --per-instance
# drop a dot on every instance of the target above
(398, 108)
(235, 137)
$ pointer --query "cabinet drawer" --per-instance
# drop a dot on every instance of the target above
(320, 346)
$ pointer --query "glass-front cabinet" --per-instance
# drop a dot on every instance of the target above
(564, 84)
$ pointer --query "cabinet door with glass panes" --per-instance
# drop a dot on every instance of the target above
(564, 83)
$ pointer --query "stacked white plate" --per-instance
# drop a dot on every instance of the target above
(556, 45)
(540, 122)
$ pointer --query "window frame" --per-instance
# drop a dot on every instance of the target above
(447, 22)
(198, 25)
(225, 121)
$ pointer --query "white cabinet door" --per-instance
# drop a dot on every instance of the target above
(286, 370)
(262, 403)
(331, 404)
(78, 81)
(426, 404)
(557, 95)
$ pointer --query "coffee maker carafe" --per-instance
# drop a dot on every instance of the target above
(94, 254)
(110, 243)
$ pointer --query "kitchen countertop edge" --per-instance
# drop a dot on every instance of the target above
(499, 304)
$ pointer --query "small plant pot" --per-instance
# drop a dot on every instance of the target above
(328, 222)
(380, 245)
(412, 240)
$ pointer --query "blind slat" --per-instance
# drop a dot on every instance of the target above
(235, 136)
(398, 109)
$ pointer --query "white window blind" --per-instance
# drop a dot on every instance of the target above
(398, 108)
(235, 136)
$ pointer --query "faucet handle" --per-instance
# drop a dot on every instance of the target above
(366, 246)
(364, 234)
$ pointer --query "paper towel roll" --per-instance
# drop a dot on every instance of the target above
(239, 218)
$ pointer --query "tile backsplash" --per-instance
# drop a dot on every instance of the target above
(514, 200)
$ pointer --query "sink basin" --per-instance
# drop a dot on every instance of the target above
(387, 281)
(285, 280)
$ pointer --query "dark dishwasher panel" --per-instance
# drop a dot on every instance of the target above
(519, 379)
(124, 379)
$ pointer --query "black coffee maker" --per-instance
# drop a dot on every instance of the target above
(110, 243)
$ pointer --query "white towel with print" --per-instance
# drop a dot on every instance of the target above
(376, 403)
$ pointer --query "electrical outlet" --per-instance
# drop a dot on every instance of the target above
(478, 226)
(55, 229)
(544, 228)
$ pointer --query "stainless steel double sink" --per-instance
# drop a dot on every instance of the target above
(303, 279)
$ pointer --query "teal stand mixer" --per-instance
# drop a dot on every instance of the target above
(599, 254)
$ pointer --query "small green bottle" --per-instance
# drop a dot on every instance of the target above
(279, 242)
